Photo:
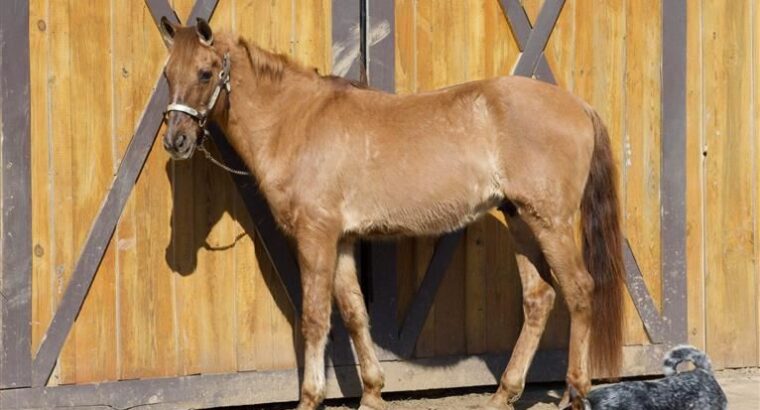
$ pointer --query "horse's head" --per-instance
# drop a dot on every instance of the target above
(197, 73)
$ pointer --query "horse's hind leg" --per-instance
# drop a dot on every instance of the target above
(538, 300)
(577, 287)
(348, 296)
(317, 256)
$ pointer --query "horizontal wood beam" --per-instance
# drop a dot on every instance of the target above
(246, 388)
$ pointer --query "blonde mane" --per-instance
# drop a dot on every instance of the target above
(271, 66)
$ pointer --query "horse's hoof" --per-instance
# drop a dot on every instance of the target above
(373, 403)
(496, 403)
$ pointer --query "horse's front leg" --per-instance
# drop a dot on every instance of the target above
(348, 295)
(317, 255)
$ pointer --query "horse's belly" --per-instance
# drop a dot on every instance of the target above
(421, 216)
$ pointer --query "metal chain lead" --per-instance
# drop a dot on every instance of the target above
(207, 154)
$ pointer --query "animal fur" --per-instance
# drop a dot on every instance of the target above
(695, 389)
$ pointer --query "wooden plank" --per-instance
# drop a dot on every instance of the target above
(756, 130)
(600, 50)
(641, 164)
(728, 198)
(16, 273)
(313, 40)
(41, 151)
(147, 331)
(92, 175)
(695, 208)
(673, 180)
(246, 388)
(62, 182)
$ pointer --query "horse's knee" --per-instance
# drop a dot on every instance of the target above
(538, 303)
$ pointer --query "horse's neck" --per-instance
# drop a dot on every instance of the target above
(256, 114)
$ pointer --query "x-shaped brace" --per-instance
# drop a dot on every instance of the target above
(531, 40)
(532, 62)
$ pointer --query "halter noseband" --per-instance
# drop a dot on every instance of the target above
(202, 115)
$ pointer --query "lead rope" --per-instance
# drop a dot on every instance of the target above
(207, 154)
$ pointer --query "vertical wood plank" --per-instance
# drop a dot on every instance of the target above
(695, 206)
(63, 170)
(147, 336)
(42, 223)
(641, 150)
(728, 206)
(756, 148)
(92, 138)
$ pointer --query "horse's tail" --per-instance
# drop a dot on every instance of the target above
(685, 353)
(603, 254)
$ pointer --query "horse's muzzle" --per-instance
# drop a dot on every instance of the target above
(180, 146)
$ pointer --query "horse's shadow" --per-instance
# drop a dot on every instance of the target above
(203, 194)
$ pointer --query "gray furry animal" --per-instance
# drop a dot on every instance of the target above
(695, 389)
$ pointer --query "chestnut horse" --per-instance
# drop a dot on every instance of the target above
(337, 162)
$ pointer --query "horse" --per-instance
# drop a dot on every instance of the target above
(337, 162)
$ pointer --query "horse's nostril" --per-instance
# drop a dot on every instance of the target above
(181, 141)
(167, 143)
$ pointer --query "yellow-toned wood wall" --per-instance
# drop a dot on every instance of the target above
(184, 289)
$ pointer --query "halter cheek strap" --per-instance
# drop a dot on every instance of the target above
(202, 115)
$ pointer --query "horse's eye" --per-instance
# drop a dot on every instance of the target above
(204, 76)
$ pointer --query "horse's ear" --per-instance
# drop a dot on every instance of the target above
(168, 30)
(204, 32)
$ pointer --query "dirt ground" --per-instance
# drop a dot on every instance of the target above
(742, 387)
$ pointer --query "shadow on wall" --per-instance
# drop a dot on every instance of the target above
(203, 194)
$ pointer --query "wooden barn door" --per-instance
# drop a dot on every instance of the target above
(439, 306)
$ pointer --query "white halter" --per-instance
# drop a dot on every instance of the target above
(202, 115)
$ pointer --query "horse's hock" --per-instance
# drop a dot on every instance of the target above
(168, 283)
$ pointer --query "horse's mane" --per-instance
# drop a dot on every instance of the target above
(271, 66)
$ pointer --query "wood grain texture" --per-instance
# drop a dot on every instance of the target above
(755, 10)
(42, 205)
(92, 159)
(695, 178)
(641, 158)
(214, 303)
(61, 131)
(731, 282)
(147, 331)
